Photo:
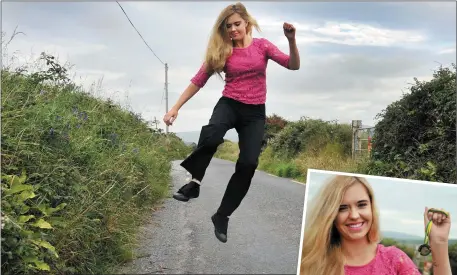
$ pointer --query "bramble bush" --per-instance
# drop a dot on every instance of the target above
(273, 125)
(311, 135)
(416, 136)
(308, 143)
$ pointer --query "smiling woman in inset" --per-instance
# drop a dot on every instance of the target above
(342, 235)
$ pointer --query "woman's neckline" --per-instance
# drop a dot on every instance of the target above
(247, 47)
(367, 264)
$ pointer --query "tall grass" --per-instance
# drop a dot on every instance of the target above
(330, 158)
(302, 145)
(95, 166)
(228, 150)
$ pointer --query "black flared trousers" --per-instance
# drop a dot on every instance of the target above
(249, 122)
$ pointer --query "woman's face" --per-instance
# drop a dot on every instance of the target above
(236, 27)
(354, 217)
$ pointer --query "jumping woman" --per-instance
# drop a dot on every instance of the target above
(243, 59)
(342, 235)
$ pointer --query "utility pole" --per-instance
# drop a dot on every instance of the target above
(166, 94)
(156, 122)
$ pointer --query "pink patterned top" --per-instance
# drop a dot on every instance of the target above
(245, 71)
(388, 261)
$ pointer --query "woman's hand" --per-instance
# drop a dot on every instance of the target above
(289, 30)
(170, 117)
(441, 226)
(439, 236)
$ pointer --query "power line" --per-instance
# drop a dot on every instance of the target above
(166, 65)
(139, 32)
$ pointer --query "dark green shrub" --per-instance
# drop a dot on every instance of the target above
(311, 135)
(416, 136)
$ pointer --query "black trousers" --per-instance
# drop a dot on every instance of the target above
(249, 122)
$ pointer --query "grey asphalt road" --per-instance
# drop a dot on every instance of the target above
(263, 233)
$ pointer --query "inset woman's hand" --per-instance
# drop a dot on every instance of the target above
(441, 226)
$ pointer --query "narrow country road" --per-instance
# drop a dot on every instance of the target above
(263, 234)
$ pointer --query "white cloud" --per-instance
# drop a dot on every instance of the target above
(347, 33)
(412, 222)
(389, 213)
(447, 51)
(355, 34)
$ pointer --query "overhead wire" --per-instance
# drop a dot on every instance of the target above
(147, 45)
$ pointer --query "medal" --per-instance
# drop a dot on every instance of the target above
(425, 248)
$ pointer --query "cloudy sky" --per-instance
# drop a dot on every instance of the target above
(356, 57)
(401, 202)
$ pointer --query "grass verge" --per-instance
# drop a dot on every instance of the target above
(78, 176)
(331, 158)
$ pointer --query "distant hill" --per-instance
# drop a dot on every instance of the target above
(403, 238)
(400, 235)
(193, 136)
(408, 238)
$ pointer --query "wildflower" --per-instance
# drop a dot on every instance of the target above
(51, 131)
(136, 150)
(4, 220)
(112, 137)
(83, 115)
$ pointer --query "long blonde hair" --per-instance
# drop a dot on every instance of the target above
(220, 46)
(321, 251)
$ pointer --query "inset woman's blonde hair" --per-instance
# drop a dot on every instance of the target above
(220, 45)
(321, 252)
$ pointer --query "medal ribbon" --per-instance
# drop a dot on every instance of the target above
(428, 228)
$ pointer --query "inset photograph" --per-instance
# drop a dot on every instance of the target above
(360, 224)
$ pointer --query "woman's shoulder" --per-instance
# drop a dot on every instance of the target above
(261, 42)
(396, 257)
(264, 45)
(390, 251)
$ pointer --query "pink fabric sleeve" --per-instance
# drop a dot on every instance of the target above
(201, 77)
(405, 266)
(276, 54)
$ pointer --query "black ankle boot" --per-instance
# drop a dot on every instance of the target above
(220, 227)
(188, 191)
